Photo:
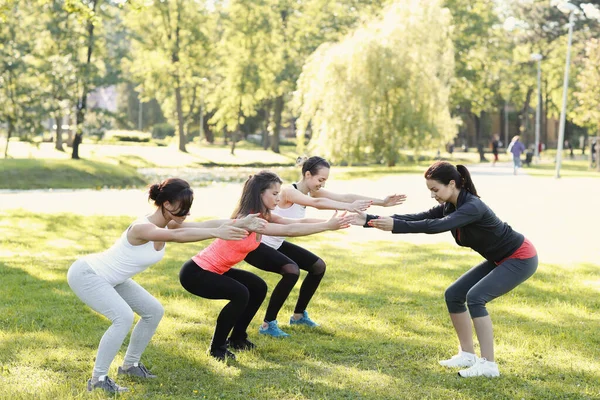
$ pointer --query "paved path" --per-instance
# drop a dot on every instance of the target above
(560, 216)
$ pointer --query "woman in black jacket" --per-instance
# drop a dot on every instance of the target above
(510, 259)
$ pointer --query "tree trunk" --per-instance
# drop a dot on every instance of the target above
(208, 133)
(266, 123)
(82, 103)
(8, 135)
(277, 120)
(234, 137)
(58, 145)
(524, 110)
(179, 103)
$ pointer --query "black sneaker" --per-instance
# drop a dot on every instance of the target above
(220, 353)
(140, 371)
(240, 344)
(108, 385)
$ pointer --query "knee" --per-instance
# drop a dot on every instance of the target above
(123, 319)
(452, 295)
(241, 296)
(319, 267)
(261, 288)
(290, 269)
(476, 304)
(455, 300)
(154, 311)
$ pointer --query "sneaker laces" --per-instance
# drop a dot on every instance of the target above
(111, 384)
(143, 368)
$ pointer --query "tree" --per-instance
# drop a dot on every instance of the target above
(17, 80)
(383, 87)
(587, 112)
(171, 56)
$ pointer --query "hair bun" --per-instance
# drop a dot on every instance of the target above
(301, 160)
(154, 191)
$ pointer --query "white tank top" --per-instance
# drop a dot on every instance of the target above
(123, 260)
(295, 211)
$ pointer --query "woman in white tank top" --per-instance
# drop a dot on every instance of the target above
(103, 280)
(275, 254)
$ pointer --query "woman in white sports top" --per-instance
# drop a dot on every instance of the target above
(103, 280)
(275, 254)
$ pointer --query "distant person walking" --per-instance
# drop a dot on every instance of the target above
(516, 148)
(495, 146)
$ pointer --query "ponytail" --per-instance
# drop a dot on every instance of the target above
(444, 172)
(467, 182)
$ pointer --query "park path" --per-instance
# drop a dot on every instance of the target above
(560, 216)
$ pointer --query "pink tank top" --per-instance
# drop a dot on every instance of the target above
(221, 254)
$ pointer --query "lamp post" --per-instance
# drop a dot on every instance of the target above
(538, 57)
(570, 9)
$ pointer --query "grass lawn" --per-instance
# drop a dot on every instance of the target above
(118, 166)
(66, 174)
(384, 325)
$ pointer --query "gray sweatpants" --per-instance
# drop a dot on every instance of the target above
(485, 282)
(118, 304)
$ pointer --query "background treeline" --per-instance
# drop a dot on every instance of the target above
(359, 79)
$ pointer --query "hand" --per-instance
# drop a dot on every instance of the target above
(253, 223)
(359, 218)
(229, 232)
(383, 223)
(341, 221)
(359, 205)
(394, 200)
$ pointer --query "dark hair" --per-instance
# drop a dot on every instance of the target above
(250, 202)
(312, 164)
(444, 172)
(173, 190)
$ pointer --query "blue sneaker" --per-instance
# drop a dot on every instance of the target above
(305, 320)
(272, 330)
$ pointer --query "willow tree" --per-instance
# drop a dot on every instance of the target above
(383, 87)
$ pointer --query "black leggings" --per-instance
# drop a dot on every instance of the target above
(485, 282)
(245, 291)
(288, 260)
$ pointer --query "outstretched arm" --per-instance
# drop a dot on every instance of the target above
(459, 218)
(251, 223)
(142, 233)
(389, 201)
(336, 222)
(323, 203)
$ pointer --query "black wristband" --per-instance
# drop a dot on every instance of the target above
(369, 217)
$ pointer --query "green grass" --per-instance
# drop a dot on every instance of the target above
(66, 174)
(384, 325)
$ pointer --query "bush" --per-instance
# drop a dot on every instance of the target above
(127, 136)
(161, 131)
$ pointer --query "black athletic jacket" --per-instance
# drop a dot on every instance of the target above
(472, 224)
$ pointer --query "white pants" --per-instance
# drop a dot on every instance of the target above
(118, 304)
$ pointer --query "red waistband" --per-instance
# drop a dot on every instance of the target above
(526, 250)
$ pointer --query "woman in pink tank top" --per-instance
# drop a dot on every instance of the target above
(210, 274)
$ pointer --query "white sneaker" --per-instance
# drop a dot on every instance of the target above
(462, 359)
(482, 367)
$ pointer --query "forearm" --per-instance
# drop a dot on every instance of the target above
(296, 229)
(186, 235)
(323, 203)
(213, 223)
